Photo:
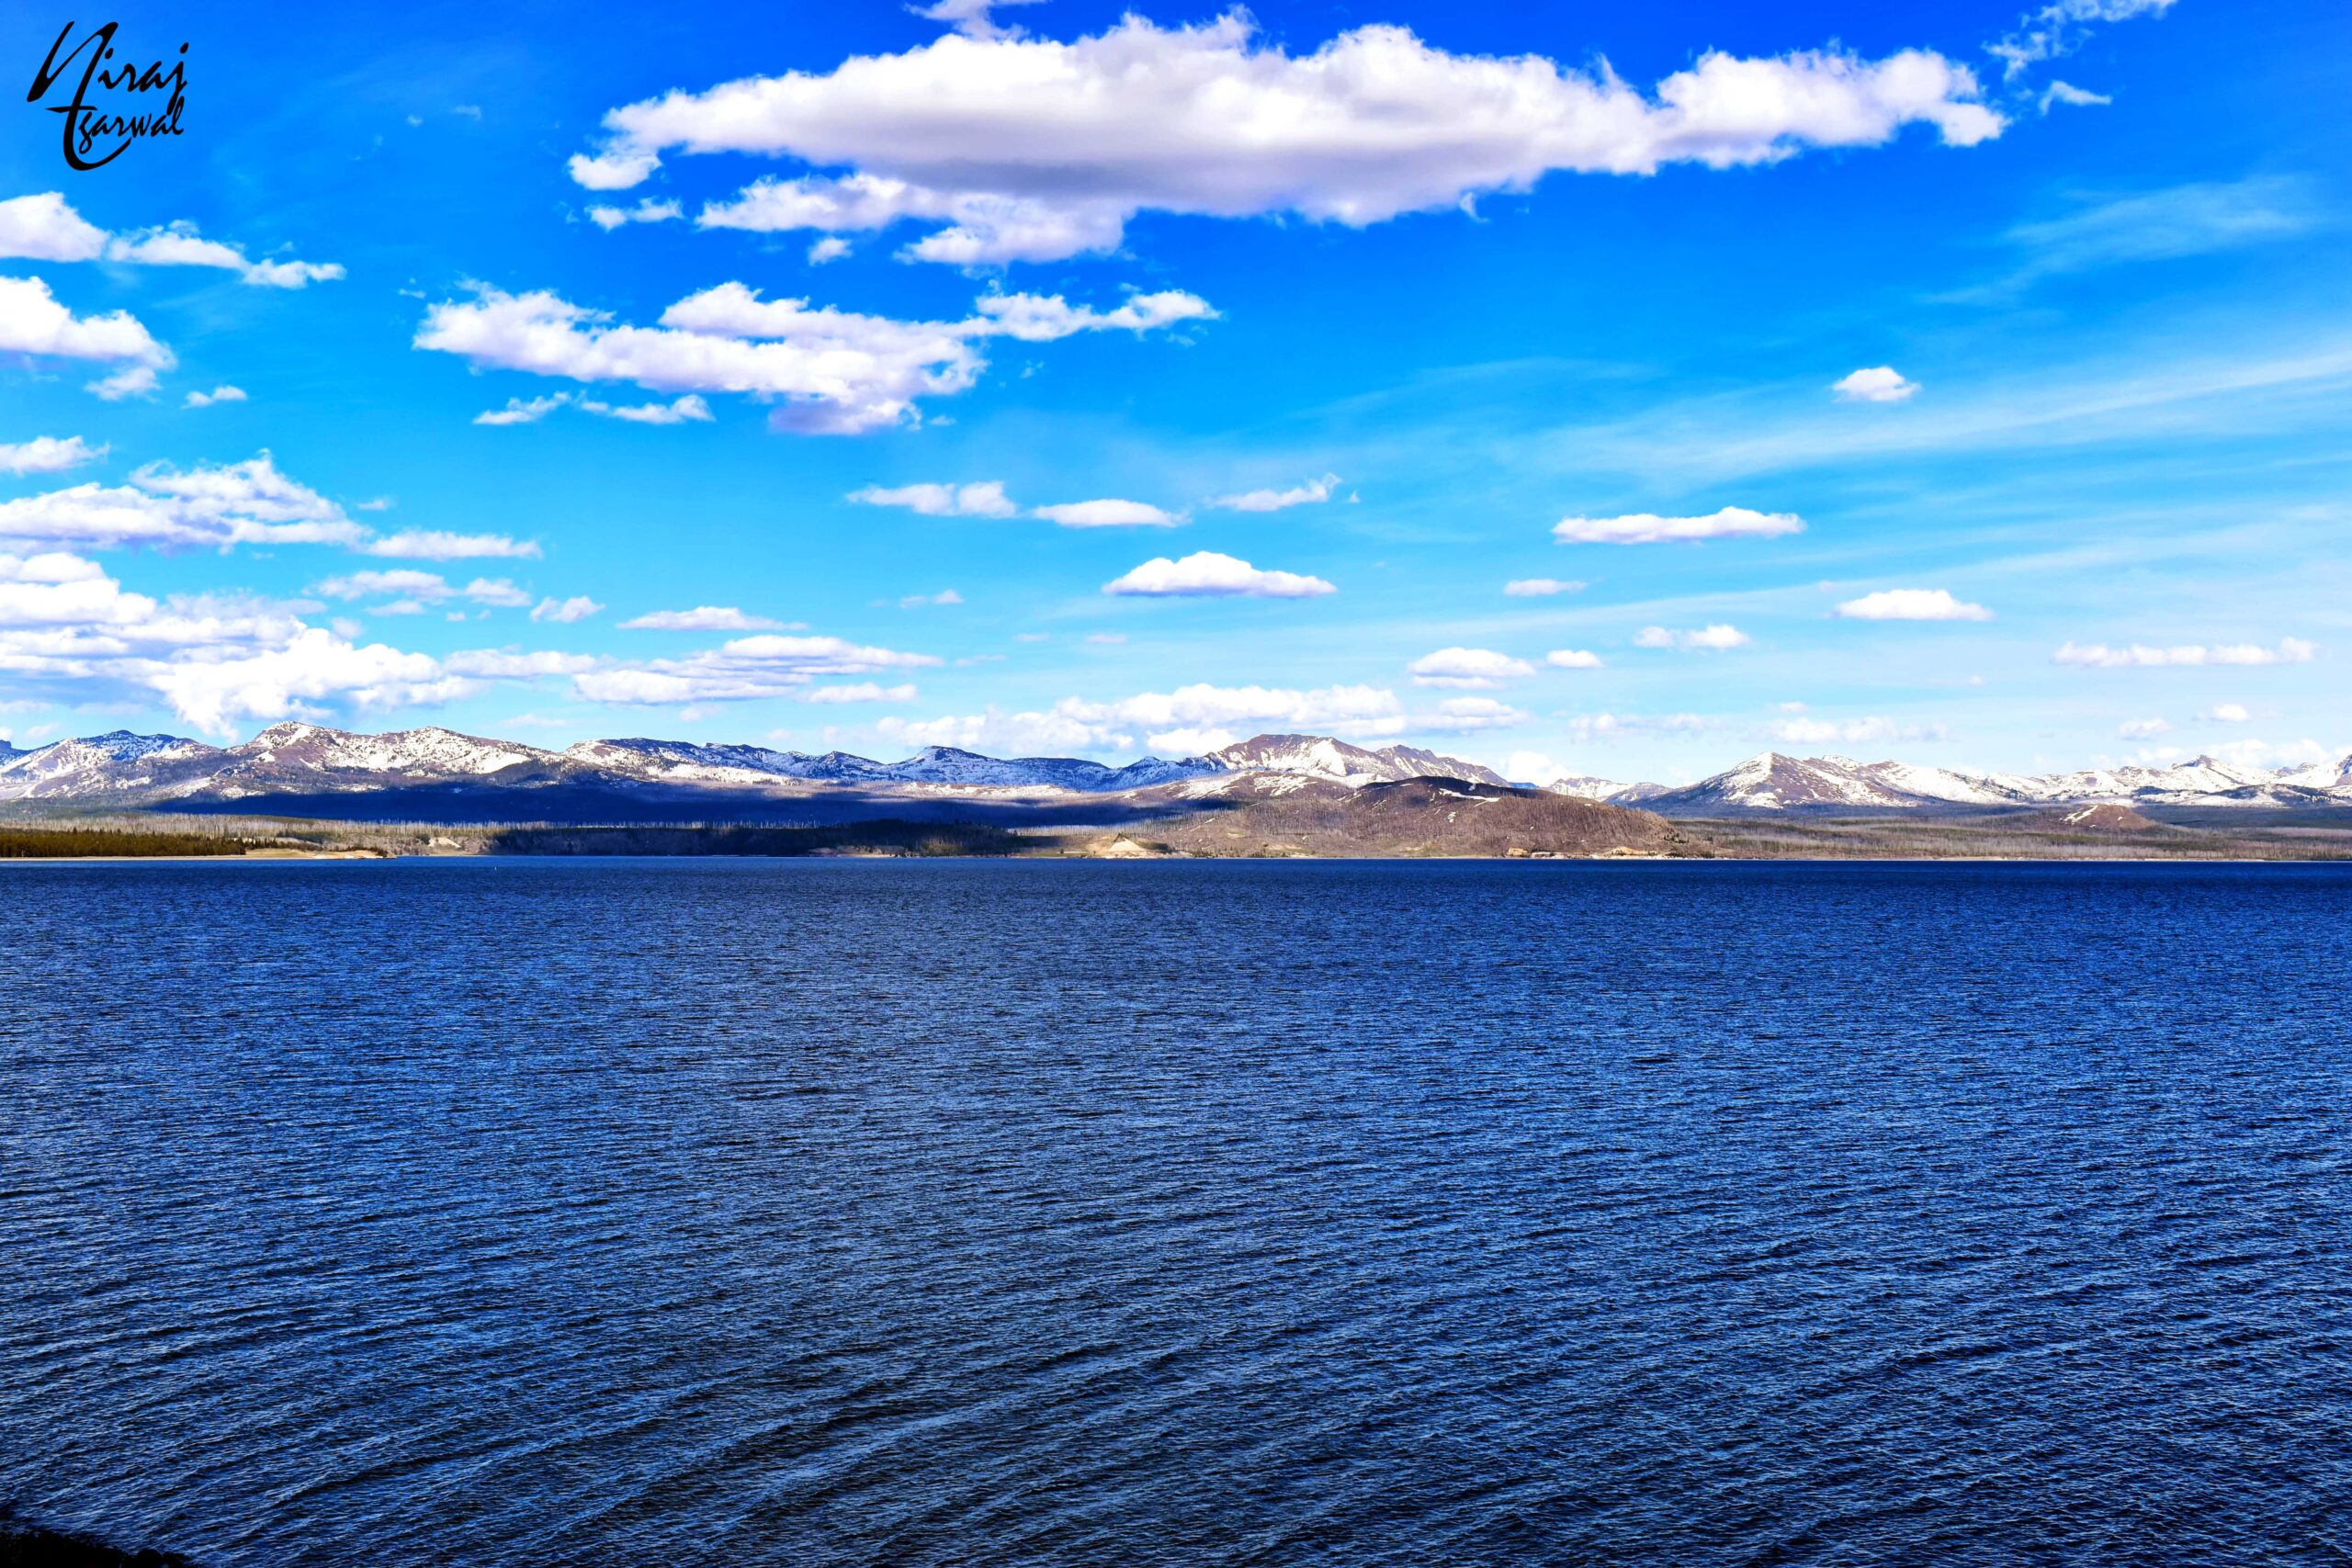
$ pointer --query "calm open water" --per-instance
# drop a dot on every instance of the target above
(832, 1212)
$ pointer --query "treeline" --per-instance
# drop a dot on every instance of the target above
(77, 843)
(887, 837)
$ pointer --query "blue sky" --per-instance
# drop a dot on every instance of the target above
(1447, 299)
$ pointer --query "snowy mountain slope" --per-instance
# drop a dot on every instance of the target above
(1774, 782)
(100, 765)
(1322, 757)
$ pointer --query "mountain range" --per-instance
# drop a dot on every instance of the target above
(308, 763)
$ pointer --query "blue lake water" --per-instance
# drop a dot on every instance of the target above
(832, 1212)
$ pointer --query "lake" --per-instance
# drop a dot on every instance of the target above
(985, 1213)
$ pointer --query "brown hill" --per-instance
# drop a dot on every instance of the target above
(1413, 817)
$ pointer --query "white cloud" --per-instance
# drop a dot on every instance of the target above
(1711, 638)
(1036, 149)
(1609, 727)
(1647, 528)
(1308, 495)
(1109, 513)
(1541, 587)
(432, 544)
(67, 628)
(48, 454)
(1473, 669)
(971, 17)
(2067, 93)
(179, 244)
(2059, 28)
(1190, 719)
(1465, 716)
(46, 227)
(1910, 604)
(647, 211)
(702, 618)
(941, 501)
(924, 600)
(379, 503)
(2162, 225)
(2098, 654)
(1572, 658)
(209, 506)
(32, 321)
(563, 612)
(1208, 574)
(834, 372)
(748, 667)
(2226, 713)
(831, 248)
(857, 692)
(138, 381)
(690, 408)
(409, 587)
(2142, 729)
(510, 664)
(1814, 731)
(1879, 384)
(222, 394)
(524, 411)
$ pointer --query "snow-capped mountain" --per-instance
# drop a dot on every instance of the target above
(112, 763)
(1323, 757)
(297, 758)
(1774, 782)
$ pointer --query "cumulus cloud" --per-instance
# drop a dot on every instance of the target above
(831, 248)
(702, 618)
(2098, 654)
(432, 544)
(208, 506)
(690, 408)
(1910, 604)
(524, 411)
(1572, 658)
(2226, 713)
(224, 394)
(1879, 384)
(1648, 528)
(1541, 587)
(1187, 720)
(1473, 669)
(67, 627)
(564, 611)
(46, 227)
(48, 454)
(2144, 729)
(179, 244)
(138, 381)
(857, 692)
(1109, 513)
(1020, 149)
(647, 211)
(1207, 574)
(941, 501)
(32, 321)
(834, 372)
(1711, 638)
(1308, 495)
(413, 587)
(745, 669)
